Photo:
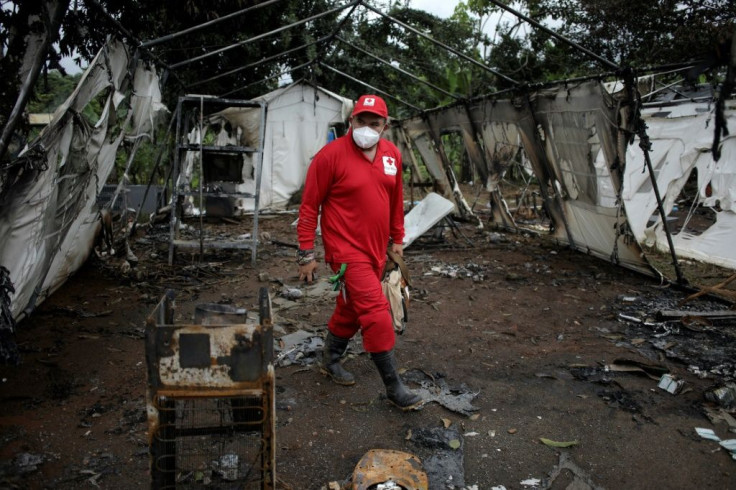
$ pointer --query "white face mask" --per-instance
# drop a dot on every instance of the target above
(366, 137)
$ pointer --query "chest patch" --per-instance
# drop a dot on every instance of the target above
(389, 165)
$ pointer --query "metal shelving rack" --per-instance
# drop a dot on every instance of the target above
(204, 105)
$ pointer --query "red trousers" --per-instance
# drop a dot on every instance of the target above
(365, 308)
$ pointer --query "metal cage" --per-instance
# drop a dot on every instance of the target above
(210, 398)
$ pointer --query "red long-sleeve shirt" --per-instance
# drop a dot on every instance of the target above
(362, 202)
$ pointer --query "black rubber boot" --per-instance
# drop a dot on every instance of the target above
(397, 393)
(335, 347)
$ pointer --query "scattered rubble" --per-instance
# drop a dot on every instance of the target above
(27, 462)
(444, 462)
(719, 415)
(671, 384)
(300, 347)
(291, 293)
(725, 395)
(698, 335)
(728, 444)
(476, 272)
(707, 347)
(581, 479)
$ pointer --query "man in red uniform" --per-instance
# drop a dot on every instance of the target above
(356, 181)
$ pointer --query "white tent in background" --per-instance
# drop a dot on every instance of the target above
(300, 120)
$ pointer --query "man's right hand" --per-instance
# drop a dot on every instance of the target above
(307, 272)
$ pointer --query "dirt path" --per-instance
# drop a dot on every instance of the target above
(520, 328)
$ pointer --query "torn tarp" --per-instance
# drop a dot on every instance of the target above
(8, 348)
(681, 137)
(571, 137)
(48, 209)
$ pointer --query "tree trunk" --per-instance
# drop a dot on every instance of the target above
(35, 29)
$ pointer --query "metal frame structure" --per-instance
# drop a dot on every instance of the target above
(628, 74)
(222, 367)
(202, 104)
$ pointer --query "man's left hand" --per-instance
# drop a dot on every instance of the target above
(398, 249)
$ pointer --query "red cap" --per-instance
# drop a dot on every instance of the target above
(371, 103)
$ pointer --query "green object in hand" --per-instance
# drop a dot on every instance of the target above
(335, 280)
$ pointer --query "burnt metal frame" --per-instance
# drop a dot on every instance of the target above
(284, 72)
(400, 70)
(265, 34)
(377, 90)
(440, 44)
(171, 37)
(181, 148)
(160, 327)
(355, 3)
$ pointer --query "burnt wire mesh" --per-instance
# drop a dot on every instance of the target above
(210, 443)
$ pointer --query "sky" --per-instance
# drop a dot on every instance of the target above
(440, 8)
(68, 64)
(445, 8)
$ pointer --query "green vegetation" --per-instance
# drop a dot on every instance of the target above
(637, 35)
(223, 59)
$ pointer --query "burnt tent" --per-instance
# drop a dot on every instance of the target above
(610, 164)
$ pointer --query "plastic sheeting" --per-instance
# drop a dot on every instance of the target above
(48, 213)
(570, 135)
(595, 189)
(681, 138)
(430, 211)
(577, 125)
(298, 119)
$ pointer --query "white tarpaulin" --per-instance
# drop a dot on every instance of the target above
(48, 214)
(681, 138)
(425, 215)
(298, 121)
(569, 135)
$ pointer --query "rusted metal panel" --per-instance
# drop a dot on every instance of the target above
(383, 465)
(210, 357)
(193, 357)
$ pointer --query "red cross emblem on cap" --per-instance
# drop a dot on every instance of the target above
(371, 103)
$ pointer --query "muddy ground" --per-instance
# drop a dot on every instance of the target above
(517, 328)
